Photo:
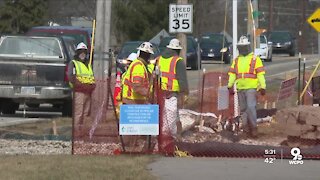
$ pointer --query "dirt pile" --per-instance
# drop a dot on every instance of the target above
(301, 125)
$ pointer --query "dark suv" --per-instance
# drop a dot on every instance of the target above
(211, 45)
(282, 42)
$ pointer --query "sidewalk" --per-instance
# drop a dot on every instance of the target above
(232, 169)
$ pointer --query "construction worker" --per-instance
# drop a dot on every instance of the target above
(247, 72)
(82, 81)
(136, 81)
(136, 84)
(174, 85)
(118, 87)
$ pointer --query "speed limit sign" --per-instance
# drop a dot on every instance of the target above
(180, 18)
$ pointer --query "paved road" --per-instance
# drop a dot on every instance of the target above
(232, 169)
(280, 64)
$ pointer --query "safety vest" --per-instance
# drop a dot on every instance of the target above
(83, 73)
(246, 69)
(136, 74)
(169, 80)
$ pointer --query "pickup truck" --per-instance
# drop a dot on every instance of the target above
(33, 71)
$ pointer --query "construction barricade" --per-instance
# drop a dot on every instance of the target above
(209, 125)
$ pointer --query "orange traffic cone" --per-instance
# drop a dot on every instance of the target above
(117, 89)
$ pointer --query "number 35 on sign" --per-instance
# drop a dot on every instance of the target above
(180, 18)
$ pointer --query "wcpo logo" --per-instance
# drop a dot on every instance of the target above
(297, 157)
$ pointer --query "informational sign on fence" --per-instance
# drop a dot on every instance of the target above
(180, 18)
(286, 88)
(139, 120)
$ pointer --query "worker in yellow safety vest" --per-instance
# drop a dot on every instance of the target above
(174, 84)
(247, 72)
(82, 81)
(136, 81)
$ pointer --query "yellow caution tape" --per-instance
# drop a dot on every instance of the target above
(179, 153)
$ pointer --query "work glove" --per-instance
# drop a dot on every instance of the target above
(231, 91)
(262, 92)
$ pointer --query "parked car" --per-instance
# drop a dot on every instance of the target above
(282, 42)
(265, 49)
(126, 49)
(213, 45)
(34, 70)
(192, 50)
(80, 34)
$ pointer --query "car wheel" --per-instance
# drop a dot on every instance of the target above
(33, 105)
(227, 60)
(67, 108)
(269, 59)
(1, 105)
(9, 107)
(195, 66)
(292, 53)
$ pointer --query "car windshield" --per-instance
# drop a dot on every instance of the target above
(129, 48)
(282, 36)
(76, 36)
(212, 39)
(263, 40)
(30, 47)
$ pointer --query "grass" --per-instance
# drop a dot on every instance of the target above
(75, 167)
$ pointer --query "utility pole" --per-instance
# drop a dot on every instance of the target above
(102, 45)
(234, 28)
(255, 11)
(250, 24)
(182, 36)
(302, 42)
(270, 28)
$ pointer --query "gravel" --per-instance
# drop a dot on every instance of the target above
(34, 147)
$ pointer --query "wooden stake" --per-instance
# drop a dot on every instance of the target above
(273, 105)
(54, 128)
(265, 104)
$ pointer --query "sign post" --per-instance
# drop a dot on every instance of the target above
(181, 22)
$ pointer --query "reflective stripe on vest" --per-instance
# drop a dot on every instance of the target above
(249, 74)
(83, 73)
(169, 80)
(129, 83)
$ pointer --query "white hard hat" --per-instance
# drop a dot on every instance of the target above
(243, 41)
(146, 47)
(81, 46)
(174, 44)
(132, 56)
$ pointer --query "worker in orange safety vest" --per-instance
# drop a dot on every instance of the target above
(136, 81)
(174, 84)
(247, 72)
